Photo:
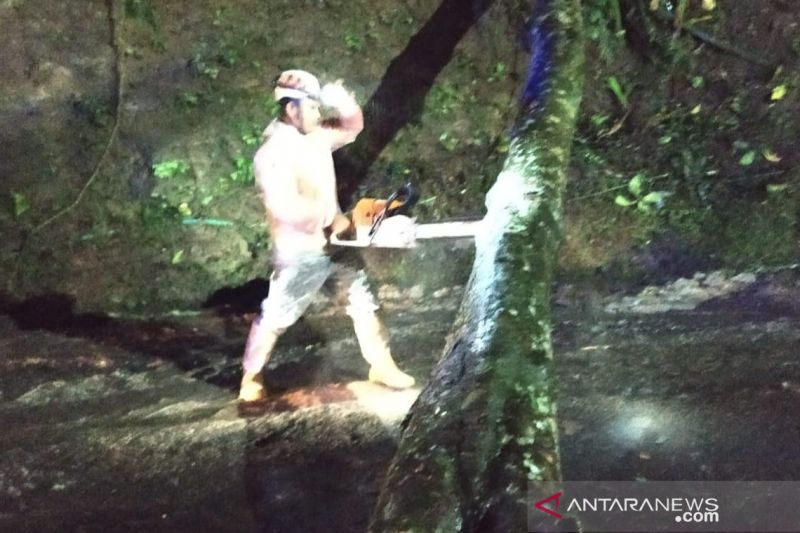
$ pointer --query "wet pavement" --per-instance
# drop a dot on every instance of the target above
(119, 424)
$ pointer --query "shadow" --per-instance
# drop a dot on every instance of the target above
(666, 259)
(207, 346)
(52, 312)
(765, 300)
(316, 491)
(242, 299)
(400, 97)
(186, 344)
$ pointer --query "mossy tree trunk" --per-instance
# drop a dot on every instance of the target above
(485, 425)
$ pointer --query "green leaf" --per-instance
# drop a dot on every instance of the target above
(498, 73)
(778, 92)
(177, 257)
(250, 139)
(616, 88)
(448, 141)
(623, 201)
(170, 169)
(655, 197)
(598, 120)
(21, 204)
(777, 187)
(770, 155)
(635, 185)
(748, 158)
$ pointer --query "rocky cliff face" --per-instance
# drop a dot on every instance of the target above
(147, 114)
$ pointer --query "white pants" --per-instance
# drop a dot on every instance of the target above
(292, 288)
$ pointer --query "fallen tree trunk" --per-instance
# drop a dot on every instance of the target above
(485, 425)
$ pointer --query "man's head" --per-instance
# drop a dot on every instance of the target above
(302, 113)
(297, 92)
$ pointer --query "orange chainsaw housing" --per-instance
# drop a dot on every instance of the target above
(367, 209)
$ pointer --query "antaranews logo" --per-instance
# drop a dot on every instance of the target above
(697, 510)
(652, 506)
(682, 509)
(556, 499)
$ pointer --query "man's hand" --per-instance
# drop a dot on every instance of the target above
(342, 227)
(343, 117)
(334, 95)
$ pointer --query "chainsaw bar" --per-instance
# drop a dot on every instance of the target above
(434, 230)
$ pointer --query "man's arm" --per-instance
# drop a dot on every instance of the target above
(349, 119)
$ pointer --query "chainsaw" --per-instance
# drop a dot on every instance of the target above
(387, 223)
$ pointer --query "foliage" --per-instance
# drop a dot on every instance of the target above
(748, 158)
(444, 98)
(142, 10)
(353, 42)
(95, 110)
(683, 139)
(189, 99)
(766, 236)
(205, 64)
(642, 201)
(498, 72)
(778, 92)
(616, 88)
(448, 141)
(221, 50)
(603, 25)
(243, 159)
(177, 257)
(19, 204)
(170, 169)
(243, 171)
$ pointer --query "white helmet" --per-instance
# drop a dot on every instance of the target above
(296, 84)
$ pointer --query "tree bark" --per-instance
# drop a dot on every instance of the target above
(400, 97)
(484, 427)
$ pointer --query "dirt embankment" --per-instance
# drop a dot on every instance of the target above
(701, 114)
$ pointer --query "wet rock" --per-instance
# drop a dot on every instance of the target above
(86, 422)
(441, 293)
(682, 294)
(389, 292)
(415, 293)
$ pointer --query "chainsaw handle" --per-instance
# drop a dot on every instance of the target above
(407, 195)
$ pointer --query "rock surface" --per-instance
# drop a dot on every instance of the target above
(130, 425)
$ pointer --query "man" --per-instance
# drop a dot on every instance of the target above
(295, 175)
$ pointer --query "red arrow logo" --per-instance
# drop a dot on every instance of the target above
(555, 498)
